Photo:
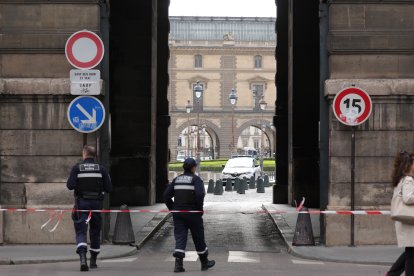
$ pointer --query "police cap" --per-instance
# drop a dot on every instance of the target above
(189, 163)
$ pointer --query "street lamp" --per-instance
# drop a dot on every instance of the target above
(188, 110)
(198, 91)
(263, 105)
(233, 100)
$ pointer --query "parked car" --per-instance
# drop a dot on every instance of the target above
(180, 157)
(240, 167)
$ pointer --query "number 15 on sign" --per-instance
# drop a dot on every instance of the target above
(352, 106)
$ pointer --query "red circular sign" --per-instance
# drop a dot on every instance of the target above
(352, 106)
(84, 50)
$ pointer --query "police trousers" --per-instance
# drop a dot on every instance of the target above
(81, 227)
(193, 222)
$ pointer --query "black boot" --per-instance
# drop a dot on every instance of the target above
(179, 266)
(92, 261)
(83, 262)
(205, 263)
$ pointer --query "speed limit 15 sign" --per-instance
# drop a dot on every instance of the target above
(352, 106)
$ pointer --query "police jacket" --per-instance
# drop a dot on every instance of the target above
(89, 180)
(188, 193)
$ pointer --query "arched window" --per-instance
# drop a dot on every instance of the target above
(198, 61)
(258, 62)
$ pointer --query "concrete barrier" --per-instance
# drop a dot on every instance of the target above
(218, 189)
(245, 184)
(266, 181)
(210, 188)
(252, 183)
(260, 186)
(240, 186)
(123, 233)
(229, 185)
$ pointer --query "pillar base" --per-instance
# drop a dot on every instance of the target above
(280, 194)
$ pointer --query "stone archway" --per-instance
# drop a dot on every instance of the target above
(212, 130)
(269, 132)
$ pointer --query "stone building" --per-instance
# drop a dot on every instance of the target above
(322, 46)
(223, 53)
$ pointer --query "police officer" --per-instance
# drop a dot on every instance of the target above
(188, 193)
(90, 182)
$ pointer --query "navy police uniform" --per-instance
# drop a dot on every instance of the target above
(90, 181)
(188, 193)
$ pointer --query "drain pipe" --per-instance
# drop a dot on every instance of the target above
(323, 113)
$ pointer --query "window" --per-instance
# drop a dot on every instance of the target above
(198, 61)
(180, 141)
(256, 131)
(258, 62)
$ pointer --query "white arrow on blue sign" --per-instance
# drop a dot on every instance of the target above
(86, 114)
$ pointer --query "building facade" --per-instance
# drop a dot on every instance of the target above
(222, 54)
(322, 46)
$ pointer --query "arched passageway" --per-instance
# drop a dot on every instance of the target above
(259, 139)
(209, 136)
(140, 109)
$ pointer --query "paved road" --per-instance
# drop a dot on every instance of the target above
(243, 243)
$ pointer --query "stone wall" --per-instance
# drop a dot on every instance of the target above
(389, 130)
(369, 46)
(37, 144)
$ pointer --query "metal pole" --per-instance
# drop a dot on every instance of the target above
(261, 145)
(232, 131)
(198, 138)
(85, 139)
(188, 136)
(353, 186)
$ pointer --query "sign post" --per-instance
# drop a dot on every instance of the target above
(84, 50)
(352, 106)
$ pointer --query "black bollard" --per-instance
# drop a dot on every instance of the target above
(252, 183)
(218, 189)
(123, 233)
(260, 185)
(229, 185)
(240, 186)
(303, 232)
(245, 184)
(266, 181)
(236, 184)
(210, 188)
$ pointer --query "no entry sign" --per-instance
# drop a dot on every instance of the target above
(352, 106)
(84, 50)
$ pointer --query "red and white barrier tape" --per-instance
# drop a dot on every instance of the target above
(329, 212)
(298, 210)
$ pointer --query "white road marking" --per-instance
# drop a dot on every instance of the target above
(369, 265)
(307, 262)
(243, 257)
(190, 256)
(126, 260)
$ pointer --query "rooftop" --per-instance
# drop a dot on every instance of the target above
(251, 29)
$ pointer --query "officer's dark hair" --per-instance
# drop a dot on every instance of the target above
(90, 151)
